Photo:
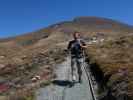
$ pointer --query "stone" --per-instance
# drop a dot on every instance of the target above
(2, 66)
(1, 57)
(17, 60)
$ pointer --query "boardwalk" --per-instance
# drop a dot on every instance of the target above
(61, 89)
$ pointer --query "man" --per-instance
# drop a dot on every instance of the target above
(76, 47)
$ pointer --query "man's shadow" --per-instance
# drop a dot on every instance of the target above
(63, 83)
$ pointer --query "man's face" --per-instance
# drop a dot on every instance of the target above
(77, 35)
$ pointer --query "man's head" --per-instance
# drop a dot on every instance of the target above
(76, 35)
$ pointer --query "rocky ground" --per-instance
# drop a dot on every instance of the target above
(22, 74)
(30, 57)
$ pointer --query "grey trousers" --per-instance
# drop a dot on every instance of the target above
(78, 62)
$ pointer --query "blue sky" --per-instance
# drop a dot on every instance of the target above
(22, 16)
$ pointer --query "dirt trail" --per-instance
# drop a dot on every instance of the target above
(61, 90)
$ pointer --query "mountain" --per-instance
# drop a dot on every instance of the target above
(23, 57)
(83, 24)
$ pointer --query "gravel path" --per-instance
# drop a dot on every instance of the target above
(61, 88)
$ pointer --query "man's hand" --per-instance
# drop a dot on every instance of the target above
(84, 46)
(67, 51)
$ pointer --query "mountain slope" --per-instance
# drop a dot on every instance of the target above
(28, 54)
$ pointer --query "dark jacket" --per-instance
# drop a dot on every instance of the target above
(75, 47)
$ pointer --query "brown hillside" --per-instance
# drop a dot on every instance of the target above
(28, 54)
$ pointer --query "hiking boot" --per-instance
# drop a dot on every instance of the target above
(71, 85)
(80, 80)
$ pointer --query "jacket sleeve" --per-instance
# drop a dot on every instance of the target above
(69, 45)
(83, 43)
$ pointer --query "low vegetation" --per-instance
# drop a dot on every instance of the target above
(30, 57)
(114, 57)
